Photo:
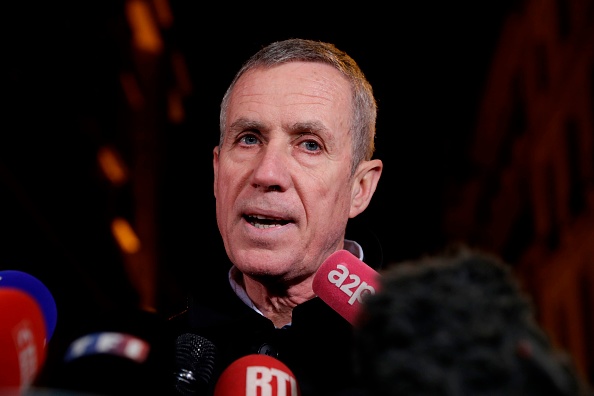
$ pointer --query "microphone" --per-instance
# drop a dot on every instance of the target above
(120, 353)
(457, 322)
(38, 291)
(22, 339)
(342, 281)
(194, 363)
(257, 375)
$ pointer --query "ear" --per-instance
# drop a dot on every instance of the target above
(215, 167)
(364, 184)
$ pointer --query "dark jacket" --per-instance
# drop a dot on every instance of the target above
(316, 347)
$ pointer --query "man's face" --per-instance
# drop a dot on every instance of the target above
(282, 176)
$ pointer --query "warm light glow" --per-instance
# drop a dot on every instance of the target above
(164, 14)
(145, 33)
(175, 107)
(125, 235)
(131, 90)
(112, 165)
(180, 71)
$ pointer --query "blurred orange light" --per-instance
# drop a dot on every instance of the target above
(164, 14)
(112, 165)
(145, 33)
(175, 110)
(131, 90)
(181, 73)
(125, 235)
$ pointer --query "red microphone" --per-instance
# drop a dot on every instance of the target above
(342, 281)
(22, 339)
(35, 288)
(257, 375)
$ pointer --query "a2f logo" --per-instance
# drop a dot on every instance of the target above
(350, 284)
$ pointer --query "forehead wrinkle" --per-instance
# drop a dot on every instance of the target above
(322, 74)
(310, 99)
(323, 89)
(328, 87)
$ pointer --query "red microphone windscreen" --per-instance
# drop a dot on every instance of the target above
(257, 375)
(36, 289)
(342, 281)
(22, 339)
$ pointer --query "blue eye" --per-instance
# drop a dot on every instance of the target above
(311, 145)
(249, 139)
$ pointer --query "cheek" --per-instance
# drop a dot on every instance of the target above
(226, 176)
(331, 202)
(229, 186)
(223, 191)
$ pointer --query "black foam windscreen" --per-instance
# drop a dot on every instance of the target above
(457, 323)
(194, 364)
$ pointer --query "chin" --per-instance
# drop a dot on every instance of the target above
(259, 270)
(266, 264)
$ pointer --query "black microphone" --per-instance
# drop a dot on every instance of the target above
(457, 323)
(194, 364)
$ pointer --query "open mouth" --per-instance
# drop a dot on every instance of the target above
(264, 222)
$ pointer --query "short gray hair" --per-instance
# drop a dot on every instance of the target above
(364, 115)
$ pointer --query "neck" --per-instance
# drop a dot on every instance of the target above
(277, 303)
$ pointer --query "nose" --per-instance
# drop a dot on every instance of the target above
(272, 168)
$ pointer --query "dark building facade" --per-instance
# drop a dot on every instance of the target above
(529, 195)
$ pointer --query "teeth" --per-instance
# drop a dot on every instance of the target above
(262, 226)
(264, 222)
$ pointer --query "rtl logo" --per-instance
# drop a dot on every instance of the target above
(257, 375)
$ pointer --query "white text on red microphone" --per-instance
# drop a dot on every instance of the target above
(354, 288)
(263, 378)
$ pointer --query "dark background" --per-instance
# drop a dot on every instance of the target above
(427, 62)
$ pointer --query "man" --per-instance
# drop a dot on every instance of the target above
(293, 165)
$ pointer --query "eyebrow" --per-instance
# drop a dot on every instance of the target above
(243, 123)
(316, 128)
(309, 126)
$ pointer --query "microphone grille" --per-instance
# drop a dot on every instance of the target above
(194, 358)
